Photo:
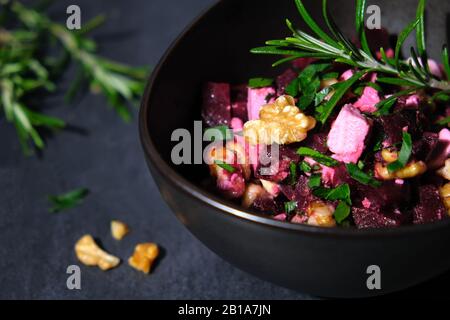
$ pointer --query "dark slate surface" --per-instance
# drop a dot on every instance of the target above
(36, 247)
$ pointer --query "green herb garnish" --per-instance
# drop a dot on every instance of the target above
(305, 167)
(360, 176)
(67, 200)
(325, 110)
(443, 121)
(317, 156)
(404, 154)
(225, 166)
(260, 82)
(338, 48)
(307, 84)
(35, 52)
(321, 95)
(330, 75)
(341, 192)
(290, 206)
(342, 212)
(218, 133)
(293, 172)
(314, 181)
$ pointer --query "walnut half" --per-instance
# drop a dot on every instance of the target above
(90, 254)
(143, 257)
(280, 122)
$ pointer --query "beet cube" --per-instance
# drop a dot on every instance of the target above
(430, 207)
(216, 108)
(284, 80)
(239, 102)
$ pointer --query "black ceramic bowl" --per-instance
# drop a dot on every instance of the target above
(324, 262)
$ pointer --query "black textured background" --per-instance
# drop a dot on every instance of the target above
(104, 154)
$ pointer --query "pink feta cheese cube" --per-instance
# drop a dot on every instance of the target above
(280, 217)
(368, 100)
(347, 135)
(256, 98)
(346, 75)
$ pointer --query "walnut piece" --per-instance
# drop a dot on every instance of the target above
(444, 192)
(90, 254)
(445, 170)
(119, 229)
(279, 122)
(143, 257)
(320, 214)
(411, 170)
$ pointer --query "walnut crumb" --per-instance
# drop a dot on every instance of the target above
(144, 256)
(119, 229)
(90, 254)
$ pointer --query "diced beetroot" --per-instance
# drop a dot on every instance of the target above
(347, 135)
(367, 102)
(300, 193)
(425, 146)
(266, 204)
(257, 97)
(441, 151)
(302, 63)
(316, 141)
(284, 80)
(239, 102)
(231, 184)
(392, 126)
(370, 218)
(430, 207)
(278, 170)
(388, 197)
(216, 108)
(336, 175)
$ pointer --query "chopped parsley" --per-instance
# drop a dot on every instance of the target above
(404, 154)
(225, 166)
(360, 176)
(260, 82)
(317, 156)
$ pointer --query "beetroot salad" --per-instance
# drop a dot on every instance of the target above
(370, 165)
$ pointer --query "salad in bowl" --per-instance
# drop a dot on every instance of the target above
(349, 134)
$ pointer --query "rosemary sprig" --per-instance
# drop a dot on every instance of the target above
(24, 70)
(337, 47)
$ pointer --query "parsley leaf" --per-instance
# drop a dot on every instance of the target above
(293, 172)
(360, 176)
(342, 212)
(404, 155)
(341, 192)
(219, 133)
(305, 167)
(321, 95)
(225, 166)
(314, 181)
(260, 82)
(67, 200)
(290, 206)
(317, 156)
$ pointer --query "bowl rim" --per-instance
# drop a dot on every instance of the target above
(225, 206)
